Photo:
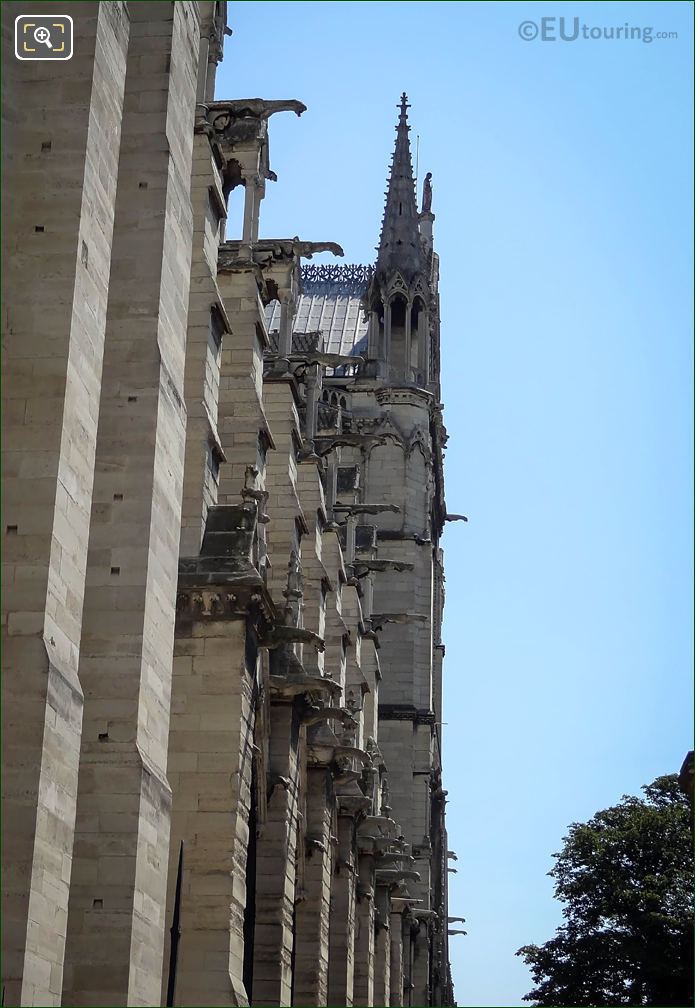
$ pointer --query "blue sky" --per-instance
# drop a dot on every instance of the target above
(562, 193)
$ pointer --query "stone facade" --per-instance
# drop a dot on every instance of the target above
(223, 499)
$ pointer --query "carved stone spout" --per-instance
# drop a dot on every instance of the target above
(371, 509)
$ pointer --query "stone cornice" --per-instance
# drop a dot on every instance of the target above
(399, 395)
(406, 712)
(200, 600)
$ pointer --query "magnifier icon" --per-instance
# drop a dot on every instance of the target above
(44, 36)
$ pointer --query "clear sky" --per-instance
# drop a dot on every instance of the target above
(562, 191)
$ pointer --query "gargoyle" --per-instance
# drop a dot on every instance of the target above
(325, 445)
(380, 620)
(370, 509)
(256, 108)
(329, 360)
(269, 250)
(395, 874)
(364, 567)
(281, 635)
(353, 752)
(308, 249)
(318, 714)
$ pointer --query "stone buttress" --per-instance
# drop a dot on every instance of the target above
(222, 695)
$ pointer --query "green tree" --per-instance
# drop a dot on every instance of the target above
(626, 879)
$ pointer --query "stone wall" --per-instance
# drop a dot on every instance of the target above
(61, 148)
(223, 686)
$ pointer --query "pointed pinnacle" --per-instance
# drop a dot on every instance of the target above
(399, 225)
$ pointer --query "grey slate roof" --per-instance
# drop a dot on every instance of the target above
(332, 305)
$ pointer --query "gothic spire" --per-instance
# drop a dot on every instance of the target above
(399, 244)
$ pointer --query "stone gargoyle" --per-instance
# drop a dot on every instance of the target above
(257, 108)
(380, 620)
(370, 509)
(269, 250)
(325, 445)
(364, 567)
(328, 360)
(279, 636)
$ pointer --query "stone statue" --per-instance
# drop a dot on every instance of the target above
(294, 575)
(427, 194)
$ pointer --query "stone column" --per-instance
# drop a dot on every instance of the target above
(210, 768)
(423, 345)
(396, 956)
(313, 391)
(427, 219)
(420, 974)
(410, 927)
(286, 321)
(275, 864)
(408, 349)
(61, 137)
(382, 948)
(253, 194)
(203, 53)
(342, 933)
(116, 925)
(313, 913)
(332, 484)
(386, 352)
(364, 929)
(373, 350)
(350, 532)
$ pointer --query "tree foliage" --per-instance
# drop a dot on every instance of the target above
(626, 879)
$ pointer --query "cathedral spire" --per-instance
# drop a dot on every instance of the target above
(399, 244)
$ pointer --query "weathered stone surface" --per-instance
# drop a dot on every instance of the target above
(223, 698)
(60, 150)
(119, 870)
